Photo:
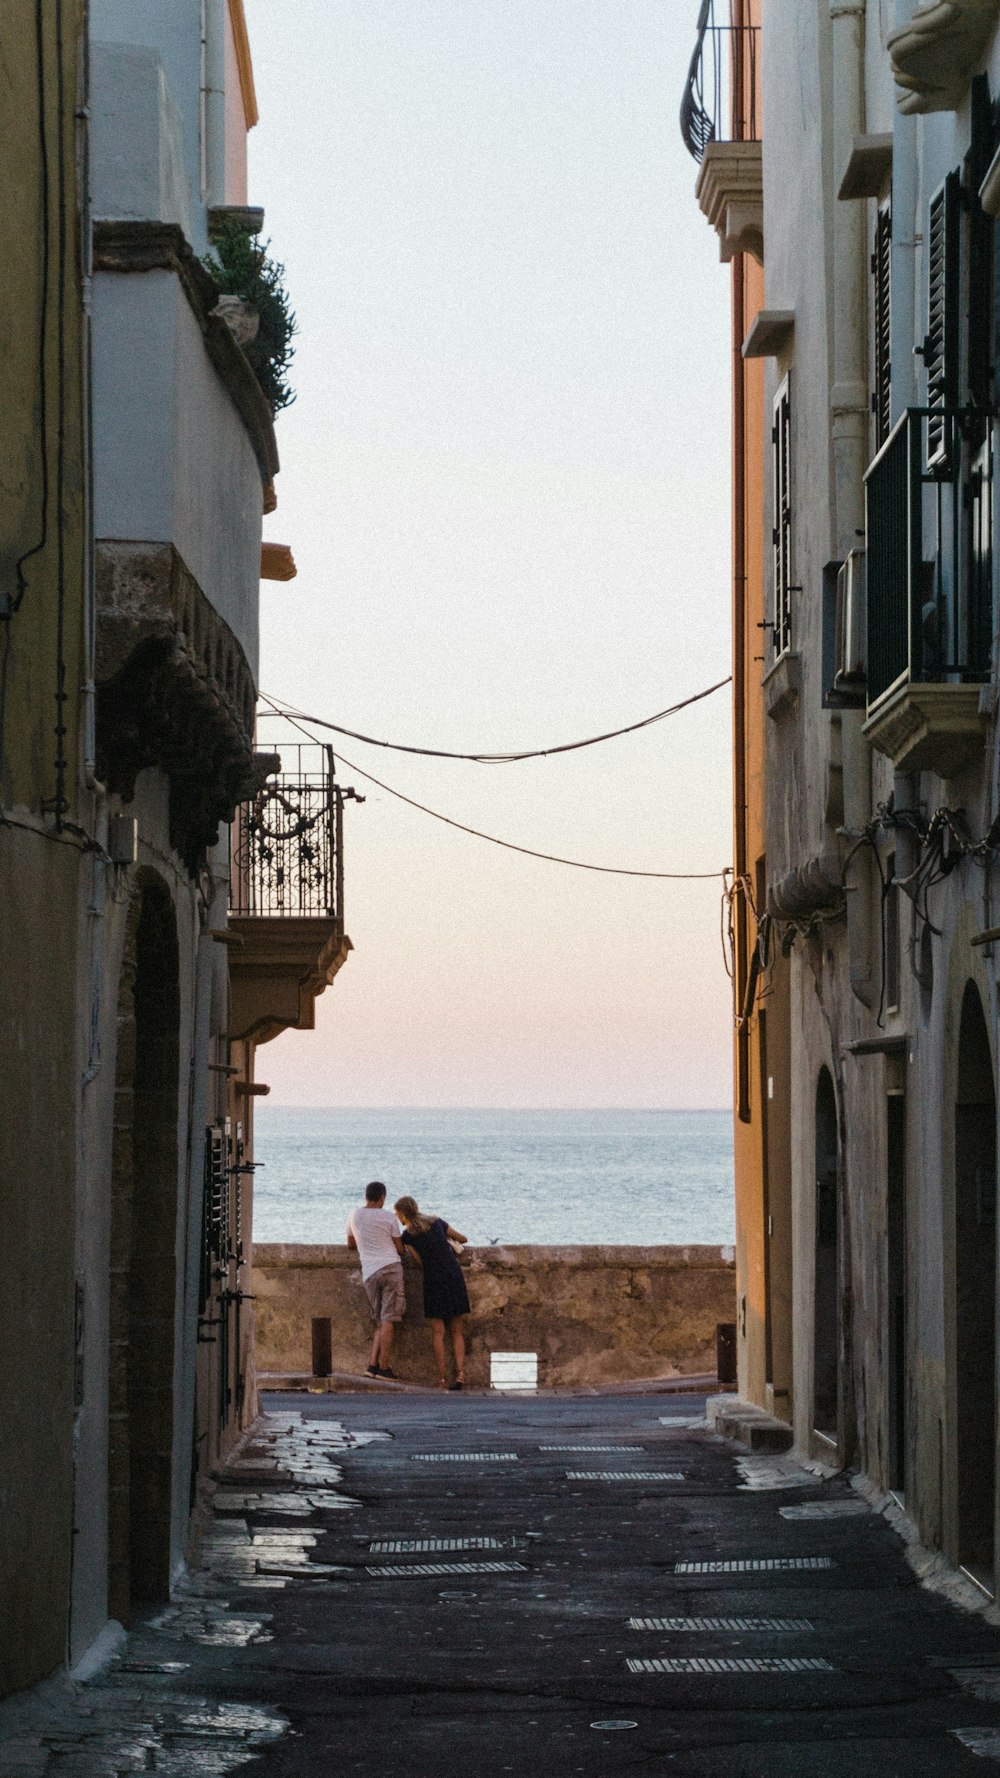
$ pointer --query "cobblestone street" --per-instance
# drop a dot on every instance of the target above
(575, 1585)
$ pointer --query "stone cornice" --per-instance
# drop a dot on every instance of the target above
(730, 191)
(135, 247)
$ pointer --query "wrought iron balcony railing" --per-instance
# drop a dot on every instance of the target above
(929, 572)
(720, 98)
(288, 842)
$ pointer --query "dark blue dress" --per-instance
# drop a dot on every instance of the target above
(445, 1294)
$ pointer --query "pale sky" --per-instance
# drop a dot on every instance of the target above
(505, 480)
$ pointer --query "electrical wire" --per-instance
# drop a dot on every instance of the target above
(509, 845)
(611, 870)
(485, 759)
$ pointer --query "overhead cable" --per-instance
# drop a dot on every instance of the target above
(487, 759)
(610, 870)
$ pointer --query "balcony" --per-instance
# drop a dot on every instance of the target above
(929, 599)
(287, 896)
(720, 127)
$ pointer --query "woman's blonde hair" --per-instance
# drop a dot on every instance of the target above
(408, 1211)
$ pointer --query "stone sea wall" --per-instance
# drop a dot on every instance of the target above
(593, 1315)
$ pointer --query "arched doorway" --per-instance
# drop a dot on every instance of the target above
(143, 1270)
(826, 1317)
(975, 1290)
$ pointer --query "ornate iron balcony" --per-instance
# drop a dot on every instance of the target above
(720, 98)
(288, 842)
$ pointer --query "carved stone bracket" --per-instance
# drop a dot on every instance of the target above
(933, 57)
(730, 191)
(173, 690)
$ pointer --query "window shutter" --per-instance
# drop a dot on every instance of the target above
(781, 535)
(985, 138)
(882, 281)
(942, 342)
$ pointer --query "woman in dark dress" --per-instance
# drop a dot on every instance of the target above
(446, 1300)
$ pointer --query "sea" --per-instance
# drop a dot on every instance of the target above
(548, 1178)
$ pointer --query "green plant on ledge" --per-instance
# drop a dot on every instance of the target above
(242, 267)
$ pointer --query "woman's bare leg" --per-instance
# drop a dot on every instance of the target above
(456, 1327)
(437, 1335)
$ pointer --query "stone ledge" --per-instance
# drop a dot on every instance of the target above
(927, 727)
(733, 1418)
(730, 191)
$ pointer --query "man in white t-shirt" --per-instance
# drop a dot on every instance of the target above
(376, 1237)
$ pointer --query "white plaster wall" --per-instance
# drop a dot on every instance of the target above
(137, 138)
(171, 28)
(172, 459)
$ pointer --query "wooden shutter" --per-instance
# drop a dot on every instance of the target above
(781, 534)
(985, 139)
(882, 305)
(942, 343)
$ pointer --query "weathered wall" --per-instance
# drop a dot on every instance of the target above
(592, 1314)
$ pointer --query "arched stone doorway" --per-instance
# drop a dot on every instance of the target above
(826, 1317)
(975, 1290)
(143, 1268)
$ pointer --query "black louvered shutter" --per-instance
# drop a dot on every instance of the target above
(985, 138)
(781, 534)
(882, 282)
(942, 343)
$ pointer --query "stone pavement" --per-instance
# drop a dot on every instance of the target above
(462, 1586)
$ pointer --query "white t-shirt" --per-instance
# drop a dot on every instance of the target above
(373, 1231)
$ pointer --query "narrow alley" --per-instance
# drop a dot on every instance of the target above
(570, 1584)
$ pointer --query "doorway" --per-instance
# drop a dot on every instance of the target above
(975, 1291)
(143, 1268)
(826, 1318)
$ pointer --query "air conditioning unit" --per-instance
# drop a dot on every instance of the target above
(850, 668)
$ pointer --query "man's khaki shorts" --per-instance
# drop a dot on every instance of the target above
(386, 1293)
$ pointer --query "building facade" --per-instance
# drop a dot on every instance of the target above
(142, 458)
(879, 182)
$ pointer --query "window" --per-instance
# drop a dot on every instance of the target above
(882, 307)
(781, 535)
(940, 348)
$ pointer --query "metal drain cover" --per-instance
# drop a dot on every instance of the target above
(404, 1568)
(591, 1447)
(709, 1625)
(624, 1475)
(740, 1664)
(426, 1546)
(465, 1457)
(615, 1722)
(755, 1565)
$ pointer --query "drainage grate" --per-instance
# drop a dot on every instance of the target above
(465, 1457)
(707, 1625)
(754, 1565)
(425, 1546)
(624, 1475)
(825, 1509)
(591, 1447)
(403, 1568)
(741, 1664)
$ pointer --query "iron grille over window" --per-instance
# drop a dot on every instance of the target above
(781, 534)
(287, 842)
(720, 98)
(882, 305)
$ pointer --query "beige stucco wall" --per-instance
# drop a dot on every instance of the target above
(592, 1314)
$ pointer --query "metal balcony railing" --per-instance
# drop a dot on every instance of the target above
(929, 568)
(720, 98)
(288, 842)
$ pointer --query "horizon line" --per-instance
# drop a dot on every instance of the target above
(658, 1110)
